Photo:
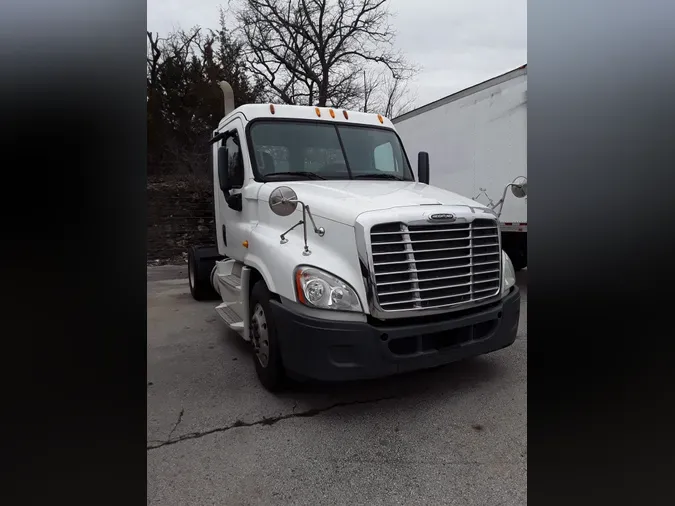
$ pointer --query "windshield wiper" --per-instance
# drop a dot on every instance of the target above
(300, 173)
(380, 175)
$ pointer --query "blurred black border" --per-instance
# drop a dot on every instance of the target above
(601, 142)
(72, 106)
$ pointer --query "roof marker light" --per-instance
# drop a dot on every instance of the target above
(318, 111)
(345, 114)
(332, 113)
(272, 108)
(379, 116)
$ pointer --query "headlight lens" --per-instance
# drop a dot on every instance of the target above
(319, 289)
(509, 273)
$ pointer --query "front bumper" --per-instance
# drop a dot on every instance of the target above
(331, 350)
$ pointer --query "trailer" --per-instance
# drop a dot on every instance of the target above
(477, 141)
(334, 261)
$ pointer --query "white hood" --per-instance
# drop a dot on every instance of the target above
(343, 201)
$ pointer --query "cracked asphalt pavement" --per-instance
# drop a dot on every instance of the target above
(456, 435)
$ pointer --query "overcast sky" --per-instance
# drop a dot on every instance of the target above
(458, 43)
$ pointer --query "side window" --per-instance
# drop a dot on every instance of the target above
(384, 158)
(235, 162)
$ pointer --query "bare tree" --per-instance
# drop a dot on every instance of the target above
(371, 81)
(315, 51)
(397, 98)
(184, 102)
(386, 94)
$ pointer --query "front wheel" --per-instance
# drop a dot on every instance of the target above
(263, 332)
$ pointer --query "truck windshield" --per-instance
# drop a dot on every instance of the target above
(310, 150)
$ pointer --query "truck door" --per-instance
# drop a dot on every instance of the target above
(231, 210)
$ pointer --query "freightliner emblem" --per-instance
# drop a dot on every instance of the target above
(442, 216)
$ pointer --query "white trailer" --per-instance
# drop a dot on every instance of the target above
(477, 143)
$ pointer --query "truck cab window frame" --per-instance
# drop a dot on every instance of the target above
(341, 139)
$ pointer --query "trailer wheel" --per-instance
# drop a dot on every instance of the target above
(201, 261)
(266, 353)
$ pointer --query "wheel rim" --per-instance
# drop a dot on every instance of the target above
(260, 335)
(191, 275)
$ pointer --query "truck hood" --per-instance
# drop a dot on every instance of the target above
(344, 201)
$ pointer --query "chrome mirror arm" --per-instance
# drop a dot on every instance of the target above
(320, 231)
(283, 236)
(503, 199)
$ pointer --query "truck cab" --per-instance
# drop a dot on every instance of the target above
(334, 261)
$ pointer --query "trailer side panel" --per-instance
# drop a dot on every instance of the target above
(477, 142)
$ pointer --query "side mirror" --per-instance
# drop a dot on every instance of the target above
(223, 175)
(519, 189)
(423, 167)
(283, 201)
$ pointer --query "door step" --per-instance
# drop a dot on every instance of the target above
(230, 317)
(231, 280)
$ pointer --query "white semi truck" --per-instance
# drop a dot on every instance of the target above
(477, 139)
(334, 262)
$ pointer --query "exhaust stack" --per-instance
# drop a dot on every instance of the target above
(228, 95)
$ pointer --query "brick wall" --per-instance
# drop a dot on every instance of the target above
(180, 214)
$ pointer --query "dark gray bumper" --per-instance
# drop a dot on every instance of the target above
(336, 350)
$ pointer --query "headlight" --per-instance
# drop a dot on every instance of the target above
(319, 289)
(509, 273)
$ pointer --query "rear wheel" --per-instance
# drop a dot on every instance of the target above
(201, 261)
(266, 353)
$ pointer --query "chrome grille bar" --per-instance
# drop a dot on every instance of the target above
(441, 272)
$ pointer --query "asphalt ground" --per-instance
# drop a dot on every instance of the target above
(456, 435)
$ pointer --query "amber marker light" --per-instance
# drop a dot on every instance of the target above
(298, 286)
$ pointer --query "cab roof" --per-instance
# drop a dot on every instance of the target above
(323, 114)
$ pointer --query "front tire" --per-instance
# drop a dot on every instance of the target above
(266, 353)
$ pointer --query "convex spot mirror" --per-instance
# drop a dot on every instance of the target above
(283, 201)
(519, 187)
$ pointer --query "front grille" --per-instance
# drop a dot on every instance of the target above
(435, 266)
